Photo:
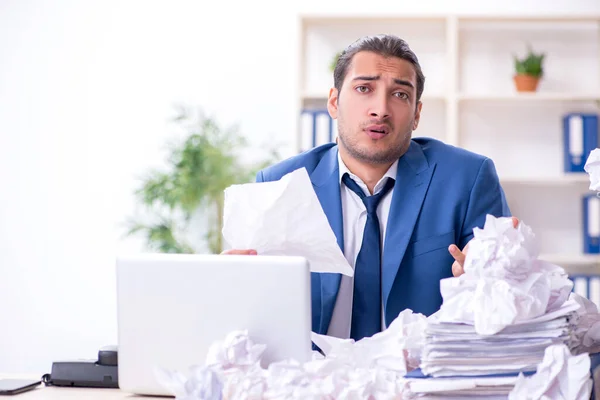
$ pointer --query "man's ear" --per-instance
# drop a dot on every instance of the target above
(332, 103)
(417, 115)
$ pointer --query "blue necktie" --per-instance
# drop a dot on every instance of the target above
(366, 304)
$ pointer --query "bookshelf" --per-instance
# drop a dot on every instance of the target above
(540, 97)
(470, 101)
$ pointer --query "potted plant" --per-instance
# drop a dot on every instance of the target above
(184, 201)
(528, 71)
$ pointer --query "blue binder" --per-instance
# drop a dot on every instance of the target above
(320, 128)
(591, 224)
(580, 136)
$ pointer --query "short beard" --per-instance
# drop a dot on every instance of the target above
(384, 157)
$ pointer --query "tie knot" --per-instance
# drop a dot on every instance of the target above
(370, 202)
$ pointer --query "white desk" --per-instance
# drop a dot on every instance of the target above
(58, 393)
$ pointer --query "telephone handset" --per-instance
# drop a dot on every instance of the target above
(102, 372)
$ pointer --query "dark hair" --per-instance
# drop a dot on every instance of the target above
(385, 45)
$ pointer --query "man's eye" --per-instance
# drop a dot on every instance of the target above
(362, 89)
(402, 95)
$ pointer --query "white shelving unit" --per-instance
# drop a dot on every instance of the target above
(470, 101)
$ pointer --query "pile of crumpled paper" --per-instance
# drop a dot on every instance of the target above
(372, 368)
(504, 283)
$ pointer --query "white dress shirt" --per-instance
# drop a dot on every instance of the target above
(354, 214)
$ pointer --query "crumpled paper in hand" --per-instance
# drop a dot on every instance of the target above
(283, 217)
(592, 167)
(560, 376)
(504, 281)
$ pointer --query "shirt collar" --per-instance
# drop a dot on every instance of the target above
(390, 173)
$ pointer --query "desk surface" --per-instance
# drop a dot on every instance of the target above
(43, 392)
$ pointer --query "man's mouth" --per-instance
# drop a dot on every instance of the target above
(377, 131)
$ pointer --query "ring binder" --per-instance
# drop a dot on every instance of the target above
(317, 128)
(580, 138)
(591, 224)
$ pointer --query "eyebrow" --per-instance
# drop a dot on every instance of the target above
(377, 77)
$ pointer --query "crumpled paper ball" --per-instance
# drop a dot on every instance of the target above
(586, 337)
(560, 376)
(504, 281)
(592, 167)
(371, 368)
(500, 250)
(237, 359)
(332, 379)
(398, 348)
(235, 350)
(202, 383)
(243, 383)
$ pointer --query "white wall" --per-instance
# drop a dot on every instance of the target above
(86, 89)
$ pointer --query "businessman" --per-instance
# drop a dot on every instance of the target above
(403, 209)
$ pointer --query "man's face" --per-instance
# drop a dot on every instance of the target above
(376, 108)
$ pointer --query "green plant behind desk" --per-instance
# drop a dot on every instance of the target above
(199, 168)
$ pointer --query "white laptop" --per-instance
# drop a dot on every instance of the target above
(173, 307)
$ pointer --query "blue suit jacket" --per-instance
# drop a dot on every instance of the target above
(441, 193)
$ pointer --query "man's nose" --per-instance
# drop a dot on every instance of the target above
(380, 107)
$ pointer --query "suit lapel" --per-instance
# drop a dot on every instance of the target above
(325, 180)
(412, 180)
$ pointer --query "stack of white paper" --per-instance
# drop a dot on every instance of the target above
(498, 319)
(461, 388)
(559, 376)
(457, 362)
(455, 349)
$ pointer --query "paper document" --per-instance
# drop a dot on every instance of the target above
(285, 218)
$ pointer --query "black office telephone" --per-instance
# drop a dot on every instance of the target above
(100, 373)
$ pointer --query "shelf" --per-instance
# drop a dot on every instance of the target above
(530, 18)
(352, 18)
(320, 18)
(537, 96)
(575, 260)
(319, 96)
(566, 179)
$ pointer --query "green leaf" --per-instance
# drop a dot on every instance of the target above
(198, 169)
(531, 64)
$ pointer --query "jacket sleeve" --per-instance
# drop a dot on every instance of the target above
(486, 197)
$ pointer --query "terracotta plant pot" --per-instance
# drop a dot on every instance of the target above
(526, 83)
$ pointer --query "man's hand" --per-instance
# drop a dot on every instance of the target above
(240, 252)
(459, 256)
